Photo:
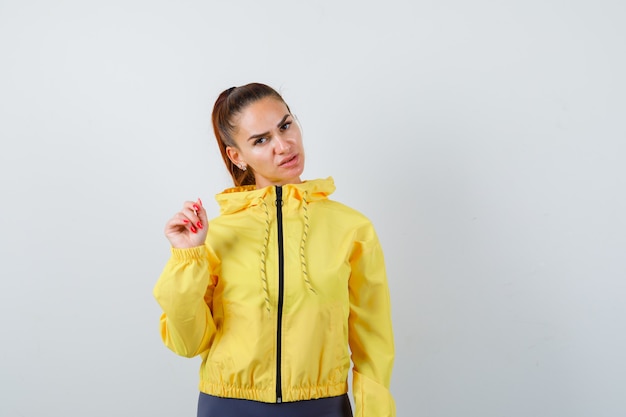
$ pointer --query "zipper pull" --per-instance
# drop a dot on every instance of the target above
(279, 196)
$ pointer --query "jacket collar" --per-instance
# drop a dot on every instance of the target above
(235, 199)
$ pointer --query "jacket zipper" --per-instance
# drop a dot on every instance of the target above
(281, 286)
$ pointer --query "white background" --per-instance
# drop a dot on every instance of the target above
(484, 139)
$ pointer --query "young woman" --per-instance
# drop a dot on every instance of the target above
(284, 287)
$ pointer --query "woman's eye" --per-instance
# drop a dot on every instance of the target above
(260, 141)
(285, 126)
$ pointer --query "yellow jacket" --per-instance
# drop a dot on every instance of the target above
(279, 297)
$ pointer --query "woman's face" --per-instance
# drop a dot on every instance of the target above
(268, 141)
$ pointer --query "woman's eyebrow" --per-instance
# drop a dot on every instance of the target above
(260, 135)
(283, 120)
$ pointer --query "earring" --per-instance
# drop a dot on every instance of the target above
(242, 167)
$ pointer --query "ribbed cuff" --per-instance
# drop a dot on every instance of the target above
(190, 254)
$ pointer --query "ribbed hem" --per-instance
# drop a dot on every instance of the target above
(231, 391)
(269, 396)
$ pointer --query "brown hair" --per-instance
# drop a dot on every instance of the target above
(229, 104)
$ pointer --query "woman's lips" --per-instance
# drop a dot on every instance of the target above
(289, 162)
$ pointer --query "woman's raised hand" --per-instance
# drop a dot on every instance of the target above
(188, 227)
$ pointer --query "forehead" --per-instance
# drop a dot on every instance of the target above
(261, 115)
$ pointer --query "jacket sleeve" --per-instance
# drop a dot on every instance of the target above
(369, 326)
(185, 293)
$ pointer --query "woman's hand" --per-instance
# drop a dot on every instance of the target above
(188, 227)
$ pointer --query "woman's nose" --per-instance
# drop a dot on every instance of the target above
(281, 145)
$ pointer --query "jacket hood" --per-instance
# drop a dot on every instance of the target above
(235, 199)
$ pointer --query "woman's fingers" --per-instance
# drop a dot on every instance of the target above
(188, 227)
(195, 213)
(177, 224)
(201, 213)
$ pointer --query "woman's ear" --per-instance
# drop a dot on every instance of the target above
(235, 157)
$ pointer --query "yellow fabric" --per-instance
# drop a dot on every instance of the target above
(220, 300)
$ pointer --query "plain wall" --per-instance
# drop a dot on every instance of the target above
(485, 140)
